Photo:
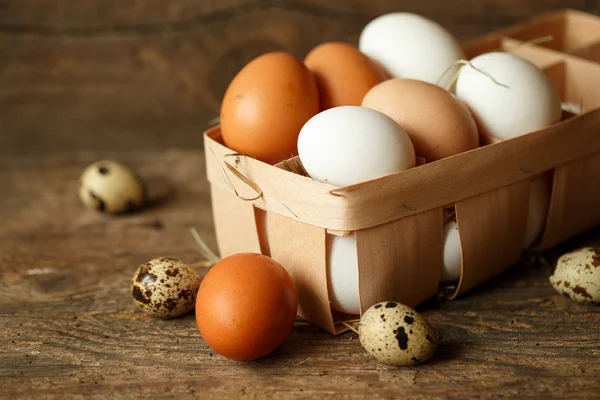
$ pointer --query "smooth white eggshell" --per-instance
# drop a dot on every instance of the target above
(410, 46)
(342, 274)
(539, 202)
(452, 253)
(531, 102)
(350, 144)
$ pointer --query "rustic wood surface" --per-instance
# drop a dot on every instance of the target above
(136, 81)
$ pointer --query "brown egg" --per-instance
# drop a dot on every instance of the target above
(246, 306)
(344, 74)
(438, 124)
(266, 105)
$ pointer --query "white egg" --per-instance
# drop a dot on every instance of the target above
(410, 46)
(539, 202)
(452, 253)
(572, 108)
(342, 274)
(350, 144)
(529, 103)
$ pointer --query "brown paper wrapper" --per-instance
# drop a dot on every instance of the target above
(491, 228)
(575, 201)
(235, 223)
(401, 260)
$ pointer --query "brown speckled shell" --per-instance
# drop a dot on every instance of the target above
(577, 275)
(165, 287)
(396, 334)
(111, 187)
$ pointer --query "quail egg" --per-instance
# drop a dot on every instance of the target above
(165, 287)
(396, 334)
(577, 275)
(111, 187)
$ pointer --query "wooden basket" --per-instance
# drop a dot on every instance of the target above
(398, 219)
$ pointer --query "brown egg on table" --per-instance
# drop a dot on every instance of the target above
(266, 105)
(246, 306)
(344, 75)
(439, 125)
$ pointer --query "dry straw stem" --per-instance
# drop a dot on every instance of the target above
(348, 321)
(215, 121)
(462, 63)
(297, 169)
(301, 169)
(286, 166)
(349, 326)
(202, 264)
(211, 257)
(301, 362)
(532, 42)
(449, 215)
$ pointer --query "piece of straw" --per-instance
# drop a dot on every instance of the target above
(462, 64)
(204, 249)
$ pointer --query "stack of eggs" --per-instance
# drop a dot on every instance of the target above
(356, 114)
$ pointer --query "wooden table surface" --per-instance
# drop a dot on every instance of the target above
(136, 81)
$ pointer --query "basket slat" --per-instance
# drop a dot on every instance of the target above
(492, 228)
(575, 202)
(235, 223)
(301, 249)
(472, 173)
(401, 260)
(415, 190)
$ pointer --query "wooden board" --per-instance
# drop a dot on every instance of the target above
(68, 327)
(150, 73)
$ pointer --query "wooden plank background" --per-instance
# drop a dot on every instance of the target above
(132, 74)
(137, 80)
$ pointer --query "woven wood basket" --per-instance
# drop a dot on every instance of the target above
(398, 219)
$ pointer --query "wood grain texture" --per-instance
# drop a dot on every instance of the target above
(150, 73)
(69, 328)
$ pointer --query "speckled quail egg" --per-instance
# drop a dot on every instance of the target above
(165, 287)
(396, 334)
(577, 275)
(111, 187)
